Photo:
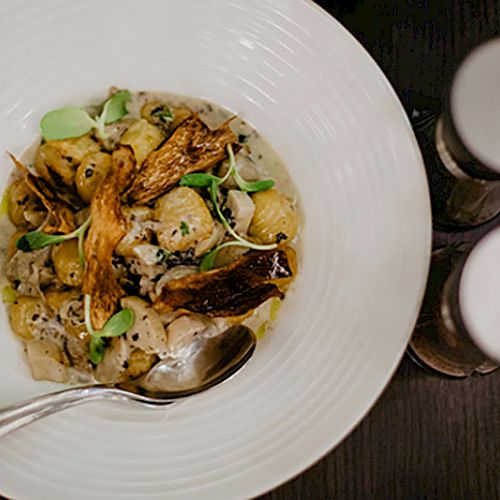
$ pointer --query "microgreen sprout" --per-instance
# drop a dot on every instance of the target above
(184, 229)
(117, 325)
(69, 122)
(35, 240)
(198, 179)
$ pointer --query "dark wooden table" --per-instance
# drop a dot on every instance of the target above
(428, 436)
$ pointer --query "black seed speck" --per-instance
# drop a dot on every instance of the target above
(125, 365)
(89, 172)
(35, 317)
(281, 237)
(242, 138)
(144, 318)
(135, 337)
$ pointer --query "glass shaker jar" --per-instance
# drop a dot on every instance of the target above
(458, 332)
(465, 174)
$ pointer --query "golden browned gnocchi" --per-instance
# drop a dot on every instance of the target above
(55, 299)
(11, 248)
(67, 263)
(274, 219)
(57, 161)
(22, 201)
(91, 173)
(180, 114)
(143, 137)
(25, 315)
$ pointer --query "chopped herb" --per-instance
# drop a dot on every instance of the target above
(184, 229)
(162, 255)
(163, 113)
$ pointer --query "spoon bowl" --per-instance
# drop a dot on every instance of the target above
(211, 361)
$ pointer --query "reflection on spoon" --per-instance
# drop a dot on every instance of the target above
(210, 361)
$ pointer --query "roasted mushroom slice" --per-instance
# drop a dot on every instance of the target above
(63, 217)
(107, 228)
(192, 147)
(229, 291)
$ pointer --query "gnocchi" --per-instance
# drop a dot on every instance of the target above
(143, 137)
(21, 202)
(91, 173)
(67, 263)
(25, 314)
(57, 161)
(274, 219)
(185, 220)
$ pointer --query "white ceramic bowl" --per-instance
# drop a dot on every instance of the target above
(304, 82)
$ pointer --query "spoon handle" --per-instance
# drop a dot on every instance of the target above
(19, 415)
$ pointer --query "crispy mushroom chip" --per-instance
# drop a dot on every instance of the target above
(62, 219)
(107, 228)
(229, 291)
(192, 147)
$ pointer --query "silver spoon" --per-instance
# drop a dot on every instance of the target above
(212, 360)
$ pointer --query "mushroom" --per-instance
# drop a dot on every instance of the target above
(246, 168)
(242, 209)
(31, 269)
(147, 332)
(114, 364)
(47, 361)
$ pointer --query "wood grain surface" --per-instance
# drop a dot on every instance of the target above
(428, 437)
